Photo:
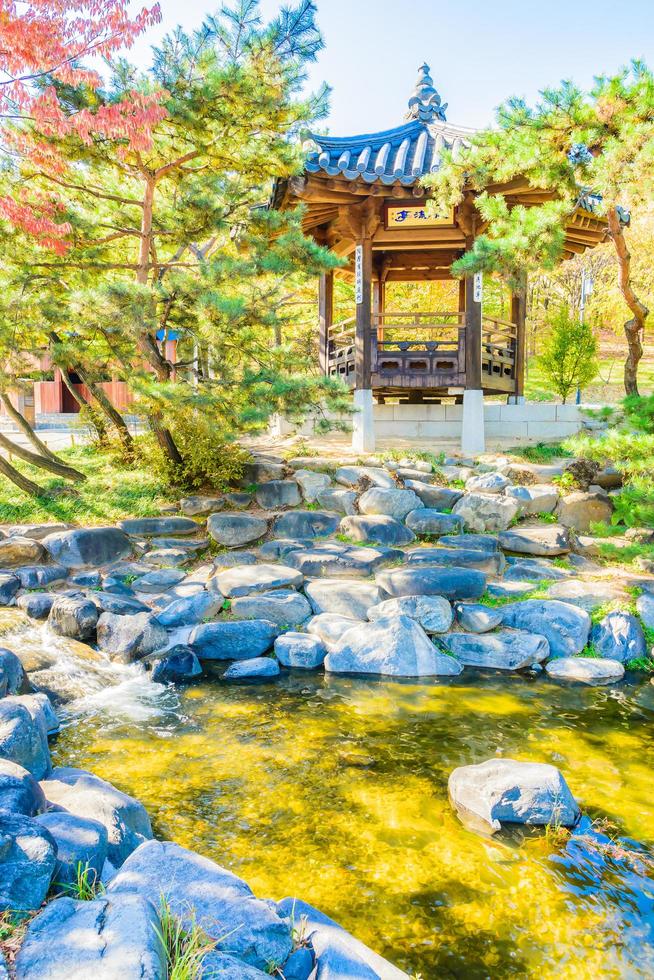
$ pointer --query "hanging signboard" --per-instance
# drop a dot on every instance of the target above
(416, 216)
(478, 287)
(358, 274)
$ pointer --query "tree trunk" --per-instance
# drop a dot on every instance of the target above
(165, 440)
(111, 412)
(635, 326)
(22, 482)
(26, 428)
(94, 417)
(59, 469)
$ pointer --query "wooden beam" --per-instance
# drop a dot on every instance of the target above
(363, 326)
(325, 316)
(519, 316)
(473, 337)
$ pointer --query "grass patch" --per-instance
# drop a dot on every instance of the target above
(13, 926)
(640, 663)
(185, 946)
(85, 888)
(542, 452)
(112, 490)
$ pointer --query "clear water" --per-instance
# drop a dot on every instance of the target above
(335, 790)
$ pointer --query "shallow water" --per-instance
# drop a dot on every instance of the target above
(335, 790)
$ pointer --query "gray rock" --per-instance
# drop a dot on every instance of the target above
(282, 608)
(40, 710)
(169, 557)
(81, 843)
(222, 966)
(37, 531)
(352, 599)
(278, 548)
(199, 505)
(159, 580)
(248, 579)
(305, 524)
(534, 571)
(235, 640)
(509, 590)
(476, 618)
(197, 889)
(550, 540)
(88, 546)
(76, 618)
(13, 679)
(338, 501)
(148, 527)
(27, 862)
(122, 605)
(190, 610)
(239, 500)
(106, 939)
(490, 562)
(9, 586)
(260, 471)
(452, 582)
(335, 559)
(504, 650)
(389, 503)
(299, 965)
(378, 529)
(259, 668)
(130, 638)
(472, 542)
(645, 609)
(37, 576)
(432, 612)
(36, 605)
(487, 483)
(178, 666)
(486, 512)
(428, 521)
(579, 510)
(502, 791)
(299, 650)
(234, 530)
(619, 636)
(17, 551)
(312, 484)
(19, 790)
(396, 646)
(230, 559)
(330, 627)
(339, 956)
(22, 739)
(585, 670)
(539, 499)
(278, 493)
(434, 497)
(565, 627)
(586, 595)
(352, 476)
(86, 795)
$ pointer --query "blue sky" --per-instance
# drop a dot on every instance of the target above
(480, 51)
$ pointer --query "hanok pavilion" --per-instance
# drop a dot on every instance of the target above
(363, 198)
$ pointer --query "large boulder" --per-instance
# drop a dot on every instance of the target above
(581, 509)
(13, 679)
(202, 892)
(585, 670)
(389, 503)
(278, 493)
(88, 546)
(85, 795)
(312, 484)
(487, 483)
(262, 470)
(299, 650)
(434, 497)
(619, 636)
(305, 524)
(282, 608)
(190, 610)
(432, 612)
(338, 501)
(549, 541)
(504, 650)
(233, 640)
(178, 666)
(396, 646)
(486, 512)
(22, 739)
(490, 562)
(73, 617)
(352, 599)
(258, 668)
(19, 790)
(27, 862)
(354, 476)
(565, 627)
(130, 638)
(538, 499)
(234, 530)
(81, 843)
(429, 521)
(148, 527)
(248, 579)
(19, 551)
(452, 582)
(105, 939)
(502, 791)
(36, 605)
(378, 529)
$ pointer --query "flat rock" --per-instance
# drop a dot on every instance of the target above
(230, 559)
(190, 610)
(262, 470)
(305, 524)
(389, 503)
(85, 795)
(344, 560)
(352, 476)
(37, 576)
(278, 493)
(299, 650)
(278, 548)
(473, 542)
(37, 531)
(433, 522)
(199, 506)
(338, 501)
(179, 665)
(586, 595)
(247, 579)
(378, 529)
(579, 510)
(451, 582)
(87, 546)
(18, 551)
(476, 618)
(122, 605)
(352, 599)
(330, 627)
(395, 646)
(73, 617)
(81, 843)
(282, 608)
(159, 580)
(234, 530)
(255, 669)
(619, 636)
(502, 791)
(504, 650)
(311, 483)
(432, 612)
(130, 638)
(537, 499)
(201, 891)
(235, 640)
(27, 862)
(585, 670)
(238, 499)
(490, 562)
(487, 483)
(550, 540)
(486, 512)
(534, 571)
(565, 627)
(148, 527)
(434, 497)
(106, 939)
(19, 790)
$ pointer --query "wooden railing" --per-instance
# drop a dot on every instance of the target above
(340, 349)
(499, 340)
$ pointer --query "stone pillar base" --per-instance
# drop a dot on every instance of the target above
(472, 428)
(363, 422)
(515, 400)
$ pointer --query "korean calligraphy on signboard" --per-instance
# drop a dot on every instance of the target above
(416, 216)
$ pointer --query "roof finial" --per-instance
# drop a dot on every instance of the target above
(425, 102)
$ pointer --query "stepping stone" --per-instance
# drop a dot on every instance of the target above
(509, 590)
(452, 582)
(345, 560)
(230, 559)
(246, 579)
(258, 668)
(180, 544)
(352, 476)
(159, 580)
(523, 572)
(312, 484)
(339, 501)
(36, 576)
(474, 542)
(87, 546)
(394, 503)
(18, 551)
(282, 608)
(491, 563)
(432, 612)
(486, 512)
(585, 670)
(305, 524)
(199, 506)
(76, 618)
(241, 501)
(9, 586)
(565, 627)
(278, 493)
(169, 557)
(27, 863)
(13, 679)
(80, 843)
(504, 650)
(352, 599)
(234, 530)
(36, 605)
(179, 665)
(395, 646)
(19, 790)
(476, 618)
(433, 496)
(260, 471)
(235, 640)
(190, 610)
(281, 547)
(127, 639)
(150, 526)
(377, 529)
(428, 521)
(551, 540)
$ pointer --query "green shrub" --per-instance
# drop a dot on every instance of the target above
(639, 412)
(569, 357)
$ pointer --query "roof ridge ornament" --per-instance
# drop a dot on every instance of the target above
(425, 102)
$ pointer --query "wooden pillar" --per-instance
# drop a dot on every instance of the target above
(519, 317)
(473, 337)
(363, 330)
(325, 317)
